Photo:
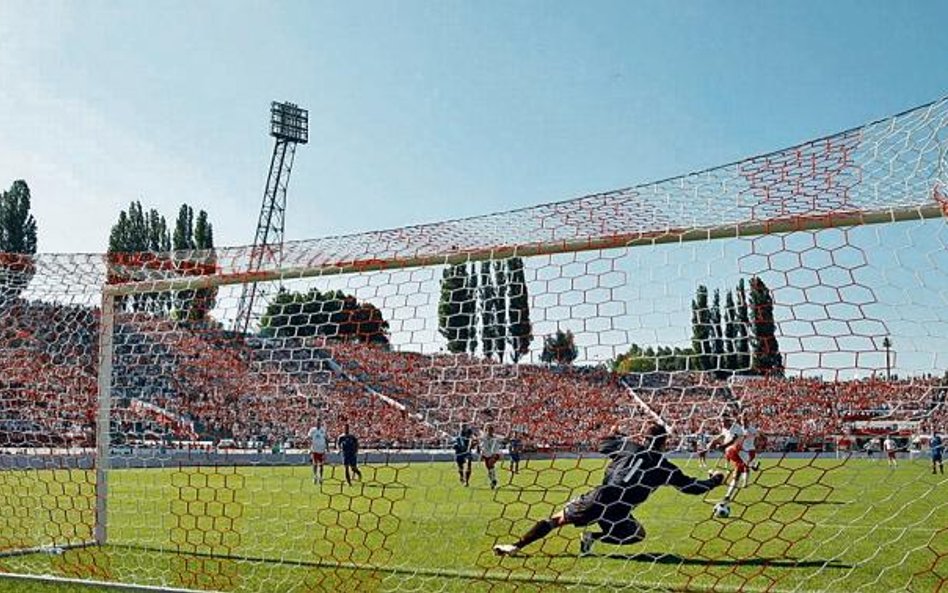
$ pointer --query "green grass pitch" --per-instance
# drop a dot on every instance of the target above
(803, 525)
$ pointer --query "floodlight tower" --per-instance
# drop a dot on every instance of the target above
(289, 125)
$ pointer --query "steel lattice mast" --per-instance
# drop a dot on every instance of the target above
(289, 125)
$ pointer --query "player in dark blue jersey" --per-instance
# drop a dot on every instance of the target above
(349, 445)
(515, 450)
(937, 446)
(463, 454)
(635, 470)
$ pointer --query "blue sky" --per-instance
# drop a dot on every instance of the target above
(424, 111)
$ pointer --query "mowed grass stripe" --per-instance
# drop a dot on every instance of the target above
(802, 524)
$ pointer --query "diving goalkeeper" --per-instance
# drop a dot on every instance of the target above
(635, 470)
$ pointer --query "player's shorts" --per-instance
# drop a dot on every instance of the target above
(891, 454)
(491, 460)
(515, 457)
(936, 457)
(733, 455)
(748, 455)
(622, 532)
(349, 460)
(462, 458)
(595, 506)
(317, 457)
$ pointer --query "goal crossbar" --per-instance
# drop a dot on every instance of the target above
(634, 239)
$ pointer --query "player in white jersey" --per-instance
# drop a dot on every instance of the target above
(489, 445)
(731, 440)
(890, 450)
(318, 447)
(749, 451)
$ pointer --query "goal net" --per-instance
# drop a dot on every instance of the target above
(800, 294)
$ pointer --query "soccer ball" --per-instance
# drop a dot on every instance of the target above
(722, 510)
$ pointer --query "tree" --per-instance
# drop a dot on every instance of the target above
(140, 242)
(455, 308)
(661, 358)
(333, 315)
(730, 333)
(767, 359)
(17, 241)
(366, 324)
(499, 306)
(195, 305)
(519, 330)
(137, 233)
(559, 348)
(157, 230)
(488, 311)
(183, 238)
(677, 359)
(633, 361)
(203, 232)
(742, 354)
(701, 332)
(717, 335)
(469, 307)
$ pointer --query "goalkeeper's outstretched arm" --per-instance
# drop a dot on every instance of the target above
(689, 485)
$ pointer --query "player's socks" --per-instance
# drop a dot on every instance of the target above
(586, 543)
(731, 489)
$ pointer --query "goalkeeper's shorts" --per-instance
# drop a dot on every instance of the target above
(596, 505)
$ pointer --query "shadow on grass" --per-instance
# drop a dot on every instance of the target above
(676, 560)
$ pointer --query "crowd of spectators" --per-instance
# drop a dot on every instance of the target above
(47, 383)
(178, 381)
(811, 408)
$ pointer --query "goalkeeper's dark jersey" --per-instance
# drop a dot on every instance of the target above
(634, 472)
